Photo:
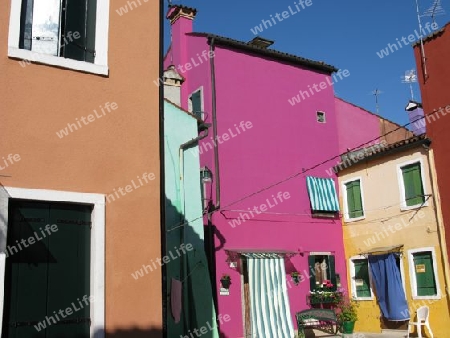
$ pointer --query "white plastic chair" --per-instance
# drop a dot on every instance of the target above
(423, 314)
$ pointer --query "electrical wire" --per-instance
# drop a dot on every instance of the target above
(300, 173)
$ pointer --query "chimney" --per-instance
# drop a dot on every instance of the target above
(172, 85)
(181, 22)
(416, 117)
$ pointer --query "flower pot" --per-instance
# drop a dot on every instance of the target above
(348, 327)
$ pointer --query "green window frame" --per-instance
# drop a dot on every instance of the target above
(325, 263)
(354, 199)
(412, 184)
(424, 273)
(361, 279)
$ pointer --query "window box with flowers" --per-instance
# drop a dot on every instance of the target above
(326, 294)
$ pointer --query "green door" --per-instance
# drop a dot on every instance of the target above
(423, 267)
(47, 271)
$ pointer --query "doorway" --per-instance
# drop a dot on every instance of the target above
(47, 270)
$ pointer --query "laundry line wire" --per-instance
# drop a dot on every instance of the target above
(299, 173)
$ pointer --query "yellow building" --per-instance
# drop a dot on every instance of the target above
(391, 208)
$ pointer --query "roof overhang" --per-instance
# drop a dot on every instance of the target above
(260, 253)
(383, 250)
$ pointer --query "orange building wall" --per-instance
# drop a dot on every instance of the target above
(38, 100)
(435, 95)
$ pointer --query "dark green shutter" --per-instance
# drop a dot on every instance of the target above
(79, 16)
(354, 199)
(90, 30)
(50, 275)
(312, 272)
(362, 273)
(26, 24)
(196, 103)
(412, 182)
(74, 20)
(332, 271)
(423, 268)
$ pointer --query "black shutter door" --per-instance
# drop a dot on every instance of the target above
(312, 272)
(68, 277)
(74, 16)
(26, 271)
(51, 275)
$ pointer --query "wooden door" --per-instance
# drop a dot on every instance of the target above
(50, 274)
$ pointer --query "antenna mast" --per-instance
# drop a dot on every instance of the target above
(422, 50)
(410, 78)
(377, 92)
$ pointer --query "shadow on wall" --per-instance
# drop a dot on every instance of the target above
(132, 333)
(197, 310)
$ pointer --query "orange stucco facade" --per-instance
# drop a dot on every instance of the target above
(103, 156)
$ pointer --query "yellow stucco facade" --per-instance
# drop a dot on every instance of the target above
(388, 222)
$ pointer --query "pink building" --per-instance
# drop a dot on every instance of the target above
(271, 207)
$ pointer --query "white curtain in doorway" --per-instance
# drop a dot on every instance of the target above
(270, 310)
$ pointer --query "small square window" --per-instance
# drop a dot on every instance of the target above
(321, 117)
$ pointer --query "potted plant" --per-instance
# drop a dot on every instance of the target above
(348, 314)
(225, 281)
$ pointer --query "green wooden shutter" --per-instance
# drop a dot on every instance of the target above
(350, 200)
(412, 182)
(50, 275)
(26, 272)
(332, 271)
(423, 267)
(362, 274)
(90, 30)
(312, 272)
(26, 24)
(354, 199)
(79, 16)
(196, 103)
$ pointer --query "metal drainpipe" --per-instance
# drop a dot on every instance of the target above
(182, 233)
(214, 118)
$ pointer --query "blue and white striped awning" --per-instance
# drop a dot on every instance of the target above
(322, 194)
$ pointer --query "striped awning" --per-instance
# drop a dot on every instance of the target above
(322, 194)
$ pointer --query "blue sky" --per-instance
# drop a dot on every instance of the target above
(346, 34)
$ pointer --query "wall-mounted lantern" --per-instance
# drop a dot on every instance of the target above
(295, 277)
(225, 281)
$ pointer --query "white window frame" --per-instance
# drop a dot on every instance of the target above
(202, 101)
(344, 191)
(352, 278)
(401, 185)
(100, 66)
(97, 275)
(412, 273)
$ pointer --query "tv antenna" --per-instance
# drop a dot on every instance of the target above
(376, 93)
(422, 50)
(435, 10)
(410, 77)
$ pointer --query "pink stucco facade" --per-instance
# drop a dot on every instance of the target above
(355, 125)
(268, 142)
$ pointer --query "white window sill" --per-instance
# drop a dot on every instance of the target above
(349, 220)
(57, 61)
(363, 298)
(404, 207)
(435, 297)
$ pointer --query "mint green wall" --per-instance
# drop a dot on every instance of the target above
(183, 197)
